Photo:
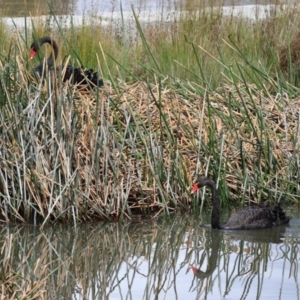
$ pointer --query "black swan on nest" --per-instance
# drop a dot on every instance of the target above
(252, 217)
(76, 75)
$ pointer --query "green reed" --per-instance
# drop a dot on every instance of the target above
(135, 147)
(129, 51)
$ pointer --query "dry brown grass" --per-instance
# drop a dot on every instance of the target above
(137, 149)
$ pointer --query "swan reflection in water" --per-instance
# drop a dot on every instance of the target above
(227, 258)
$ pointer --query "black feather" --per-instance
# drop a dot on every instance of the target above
(252, 217)
(81, 76)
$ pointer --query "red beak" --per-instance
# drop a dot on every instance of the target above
(32, 53)
(194, 269)
(195, 188)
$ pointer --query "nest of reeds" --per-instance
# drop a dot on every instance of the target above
(136, 148)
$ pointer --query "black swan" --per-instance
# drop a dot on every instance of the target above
(77, 75)
(252, 217)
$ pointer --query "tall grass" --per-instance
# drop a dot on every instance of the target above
(120, 47)
(134, 147)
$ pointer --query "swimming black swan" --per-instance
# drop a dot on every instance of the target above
(252, 217)
(77, 75)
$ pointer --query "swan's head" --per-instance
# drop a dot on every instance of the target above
(33, 52)
(199, 183)
(36, 45)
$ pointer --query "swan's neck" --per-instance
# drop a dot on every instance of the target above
(53, 55)
(215, 216)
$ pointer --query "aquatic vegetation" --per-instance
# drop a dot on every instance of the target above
(131, 148)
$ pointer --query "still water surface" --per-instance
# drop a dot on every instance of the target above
(18, 8)
(152, 260)
(149, 260)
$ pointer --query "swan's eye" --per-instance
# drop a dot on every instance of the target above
(32, 53)
(195, 188)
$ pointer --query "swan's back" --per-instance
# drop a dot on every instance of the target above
(82, 76)
(257, 217)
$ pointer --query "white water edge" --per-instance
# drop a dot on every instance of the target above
(117, 18)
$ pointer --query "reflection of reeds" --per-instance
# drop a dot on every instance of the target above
(103, 260)
(244, 265)
(59, 261)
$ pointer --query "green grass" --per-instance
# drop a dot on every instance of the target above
(186, 98)
(197, 46)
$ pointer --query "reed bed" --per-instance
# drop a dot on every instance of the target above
(133, 148)
(136, 149)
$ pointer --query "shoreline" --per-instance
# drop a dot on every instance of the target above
(251, 12)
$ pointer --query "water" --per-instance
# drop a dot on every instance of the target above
(147, 260)
(152, 261)
(19, 8)
(19, 16)
(69, 13)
